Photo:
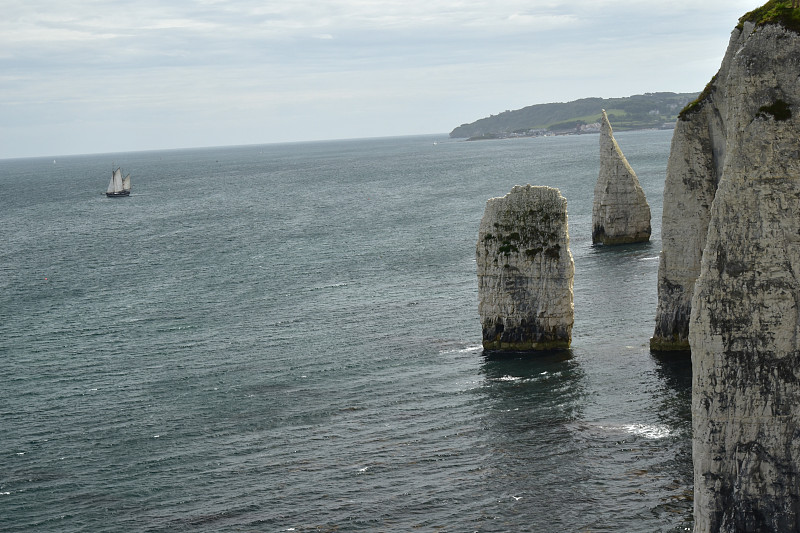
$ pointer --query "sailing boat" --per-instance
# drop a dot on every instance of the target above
(119, 186)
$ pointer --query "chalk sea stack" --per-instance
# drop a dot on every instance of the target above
(525, 271)
(694, 168)
(733, 197)
(620, 214)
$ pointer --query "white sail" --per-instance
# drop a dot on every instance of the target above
(116, 180)
(119, 186)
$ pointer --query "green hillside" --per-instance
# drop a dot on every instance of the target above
(650, 110)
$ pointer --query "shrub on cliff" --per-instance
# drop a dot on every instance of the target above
(774, 12)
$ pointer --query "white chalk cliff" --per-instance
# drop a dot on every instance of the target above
(694, 168)
(525, 271)
(620, 213)
(731, 265)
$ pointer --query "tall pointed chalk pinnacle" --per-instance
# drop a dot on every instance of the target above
(620, 214)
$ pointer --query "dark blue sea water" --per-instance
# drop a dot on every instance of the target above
(286, 338)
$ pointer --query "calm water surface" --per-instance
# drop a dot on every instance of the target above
(286, 338)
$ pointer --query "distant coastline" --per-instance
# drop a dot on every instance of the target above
(546, 133)
(638, 112)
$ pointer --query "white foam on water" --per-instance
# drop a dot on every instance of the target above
(648, 431)
(475, 348)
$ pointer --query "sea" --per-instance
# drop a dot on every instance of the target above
(285, 337)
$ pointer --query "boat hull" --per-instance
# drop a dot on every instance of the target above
(118, 194)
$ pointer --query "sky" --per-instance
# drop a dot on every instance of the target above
(100, 76)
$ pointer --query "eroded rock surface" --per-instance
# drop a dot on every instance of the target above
(694, 168)
(620, 213)
(525, 271)
(744, 325)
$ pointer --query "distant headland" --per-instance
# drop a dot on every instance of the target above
(641, 111)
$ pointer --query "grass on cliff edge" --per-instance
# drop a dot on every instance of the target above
(774, 12)
(694, 106)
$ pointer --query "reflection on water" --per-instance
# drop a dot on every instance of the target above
(675, 372)
(546, 387)
(675, 410)
(528, 404)
(541, 410)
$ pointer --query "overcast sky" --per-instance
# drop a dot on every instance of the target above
(94, 76)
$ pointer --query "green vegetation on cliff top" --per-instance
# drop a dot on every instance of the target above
(694, 105)
(650, 110)
(774, 12)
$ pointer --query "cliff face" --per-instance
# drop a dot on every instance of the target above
(693, 171)
(620, 213)
(735, 170)
(525, 271)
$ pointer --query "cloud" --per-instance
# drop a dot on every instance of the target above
(66, 67)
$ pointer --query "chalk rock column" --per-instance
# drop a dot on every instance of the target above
(693, 170)
(744, 328)
(620, 213)
(525, 271)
